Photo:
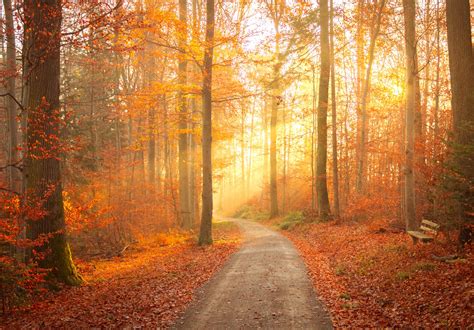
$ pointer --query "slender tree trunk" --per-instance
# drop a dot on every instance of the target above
(321, 161)
(438, 69)
(427, 82)
(193, 199)
(265, 148)
(42, 170)
(167, 186)
(151, 148)
(205, 234)
(242, 150)
(360, 44)
(285, 144)
(184, 188)
(273, 133)
(249, 171)
(411, 54)
(362, 159)
(335, 172)
(14, 177)
(461, 67)
(313, 131)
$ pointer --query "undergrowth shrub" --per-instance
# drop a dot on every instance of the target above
(291, 219)
(250, 212)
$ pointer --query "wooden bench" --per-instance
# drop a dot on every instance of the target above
(427, 227)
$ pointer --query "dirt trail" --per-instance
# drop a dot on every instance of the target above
(264, 285)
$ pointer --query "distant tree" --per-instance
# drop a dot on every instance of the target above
(335, 171)
(184, 188)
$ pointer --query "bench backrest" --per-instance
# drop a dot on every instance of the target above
(429, 226)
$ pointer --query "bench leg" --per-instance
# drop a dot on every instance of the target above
(415, 240)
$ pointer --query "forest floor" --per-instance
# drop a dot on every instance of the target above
(264, 285)
(373, 277)
(150, 286)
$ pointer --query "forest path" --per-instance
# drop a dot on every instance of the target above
(263, 285)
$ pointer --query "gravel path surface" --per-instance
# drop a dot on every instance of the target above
(264, 285)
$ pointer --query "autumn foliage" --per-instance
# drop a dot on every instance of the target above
(372, 277)
(149, 286)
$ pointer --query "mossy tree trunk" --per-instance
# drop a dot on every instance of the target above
(42, 166)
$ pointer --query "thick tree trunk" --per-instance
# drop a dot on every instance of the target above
(411, 72)
(335, 172)
(14, 176)
(184, 189)
(461, 67)
(42, 171)
(205, 235)
(321, 161)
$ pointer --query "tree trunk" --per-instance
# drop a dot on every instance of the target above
(360, 43)
(249, 167)
(242, 150)
(313, 131)
(461, 67)
(335, 172)
(273, 126)
(265, 149)
(184, 189)
(14, 177)
(410, 108)
(321, 161)
(362, 159)
(42, 171)
(151, 149)
(205, 235)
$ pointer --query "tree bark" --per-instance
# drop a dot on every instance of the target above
(410, 108)
(205, 235)
(14, 177)
(275, 87)
(335, 172)
(42, 170)
(184, 188)
(461, 67)
(362, 159)
(321, 179)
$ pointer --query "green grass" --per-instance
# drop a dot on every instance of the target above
(424, 266)
(249, 212)
(345, 296)
(340, 270)
(402, 276)
(291, 220)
